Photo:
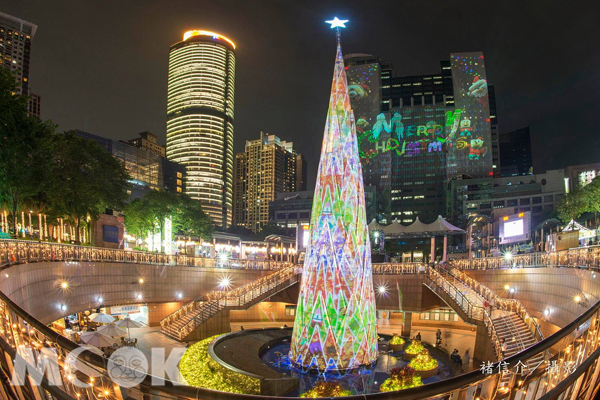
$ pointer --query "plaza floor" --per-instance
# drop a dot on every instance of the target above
(151, 338)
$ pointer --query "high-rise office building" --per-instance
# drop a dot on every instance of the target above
(15, 54)
(200, 119)
(266, 168)
(414, 134)
(515, 153)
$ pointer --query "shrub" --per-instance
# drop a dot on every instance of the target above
(396, 340)
(326, 389)
(401, 378)
(199, 369)
(415, 347)
(423, 362)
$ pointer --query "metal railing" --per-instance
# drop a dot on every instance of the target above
(577, 345)
(473, 313)
(244, 296)
(21, 251)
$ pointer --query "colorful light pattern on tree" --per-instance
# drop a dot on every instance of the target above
(335, 322)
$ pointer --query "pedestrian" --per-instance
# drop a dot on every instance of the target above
(503, 348)
(438, 338)
(418, 337)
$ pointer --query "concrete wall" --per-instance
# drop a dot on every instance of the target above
(540, 289)
(37, 288)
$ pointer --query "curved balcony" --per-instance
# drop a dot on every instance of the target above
(571, 370)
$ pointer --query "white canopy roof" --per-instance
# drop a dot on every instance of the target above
(438, 227)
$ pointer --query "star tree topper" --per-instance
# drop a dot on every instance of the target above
(337, 23)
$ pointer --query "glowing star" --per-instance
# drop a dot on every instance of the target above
(337, 23)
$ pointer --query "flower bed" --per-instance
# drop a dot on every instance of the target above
(414, 349)
(396, 343)
(326, 389)
(199, 369)
(424, 365)
(401, 378)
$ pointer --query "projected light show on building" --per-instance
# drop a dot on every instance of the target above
(469, 130)
(335, 323)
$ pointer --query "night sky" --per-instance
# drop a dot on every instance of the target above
(101, 66)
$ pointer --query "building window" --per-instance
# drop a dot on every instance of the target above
(293, 215)
(290, 311)
(524, 201)
(179, 175)
(178, 190)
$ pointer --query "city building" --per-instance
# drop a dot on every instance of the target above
(301, 173)
(515, 153)
(580, 175)
(148, 170)
(147, 141)
(417, 132)
(15, 54)
(267, 167)
(537, 193)
(200, 119)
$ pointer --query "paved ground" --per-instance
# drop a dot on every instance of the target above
(462, 340)
(151, 338)
(242, 351)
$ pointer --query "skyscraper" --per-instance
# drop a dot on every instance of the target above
(408, 143)
(267, 167)
(15, 54)
(515, 153)
(200, 119)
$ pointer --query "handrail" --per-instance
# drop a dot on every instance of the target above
(218, 300)
(13, 252)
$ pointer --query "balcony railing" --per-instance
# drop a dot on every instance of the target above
(22, 251)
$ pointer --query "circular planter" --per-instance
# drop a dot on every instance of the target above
(427, 374)
(396, 347)
(409, 356)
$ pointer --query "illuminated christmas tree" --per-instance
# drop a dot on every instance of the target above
(335, 322)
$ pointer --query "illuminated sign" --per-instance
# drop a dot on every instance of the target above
(110, 233)
(515, 228)
(586, 177)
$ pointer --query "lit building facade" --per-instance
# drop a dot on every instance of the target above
(200, 114)
(414, 134)
(147, 141)
(15, 54)
(267, 167)
(148, 170)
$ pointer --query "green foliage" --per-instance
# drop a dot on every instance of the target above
(25, 150)
(148, 214)
(190, 220)
(86, 179)
(572, 205)
(423, 362)
(326, 389)
(199, 369)
(401, 378)
(415, 347)
(395, 340)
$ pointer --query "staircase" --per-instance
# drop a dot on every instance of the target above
(191, 316)
(512, 323)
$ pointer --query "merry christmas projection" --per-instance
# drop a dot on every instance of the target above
(335, 320)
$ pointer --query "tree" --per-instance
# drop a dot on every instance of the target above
(138, 218)
(25, 150)
(591, 196)
(190, 220)
(572, 205)
(86, 180)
